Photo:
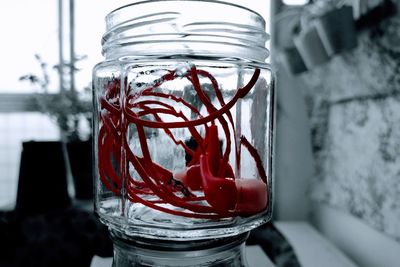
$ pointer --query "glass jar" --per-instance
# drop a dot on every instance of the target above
(184, 113)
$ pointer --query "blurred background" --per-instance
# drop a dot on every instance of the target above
(337, 146)
(337, 67)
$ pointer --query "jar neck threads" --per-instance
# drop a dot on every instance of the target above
(191, 27)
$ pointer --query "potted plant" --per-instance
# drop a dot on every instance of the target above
(308, 41)
(310, 47)
(336, 28)
(332, 23)
(70, 109)
(286, 25)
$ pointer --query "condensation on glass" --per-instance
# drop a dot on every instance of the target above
(184, 111)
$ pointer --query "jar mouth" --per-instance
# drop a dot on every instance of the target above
(174, 27)
(112, 21)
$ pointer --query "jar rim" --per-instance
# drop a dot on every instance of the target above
(140, 2)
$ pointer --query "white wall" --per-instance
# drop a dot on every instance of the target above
(293, 156)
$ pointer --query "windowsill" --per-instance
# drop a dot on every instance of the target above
(311, 247)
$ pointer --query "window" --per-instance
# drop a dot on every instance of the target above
(28, 27)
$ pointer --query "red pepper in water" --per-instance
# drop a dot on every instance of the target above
(207, 188)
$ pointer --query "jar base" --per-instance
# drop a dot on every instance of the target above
(137, 252)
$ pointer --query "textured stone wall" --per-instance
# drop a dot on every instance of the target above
(354, 106)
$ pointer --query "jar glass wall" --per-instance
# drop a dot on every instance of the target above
(184, 113)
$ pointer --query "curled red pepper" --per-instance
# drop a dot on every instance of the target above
(207, 187)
